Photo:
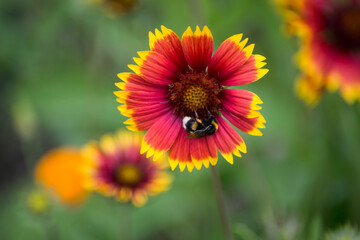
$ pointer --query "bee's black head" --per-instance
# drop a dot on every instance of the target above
(208, 119)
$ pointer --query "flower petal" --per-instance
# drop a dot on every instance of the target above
(212, 150)
(200, 152)
(168, 44)
(133, 82)
(198, 47)
(154, 68)
(192, 153)
(179, 153)
(248, 125)
(160, 182)
(144, 116)
(233, 63)
(136, 92)
(228, 141)
(310, 89)
(161, 135)
(139, 198)
(242, 103)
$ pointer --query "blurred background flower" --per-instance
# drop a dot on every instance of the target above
(58, 65)
(117, 8)
(115, 168)
(38, 202)
(329, 55)
(59, 172)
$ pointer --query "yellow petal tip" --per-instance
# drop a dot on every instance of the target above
(261, 73)
(228, 157)
(123, 76)
(173, 163)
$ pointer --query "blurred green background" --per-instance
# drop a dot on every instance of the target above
(58, 66)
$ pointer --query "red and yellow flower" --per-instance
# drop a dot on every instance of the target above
(183, 78)
(329, 56)
(60, 173)
(115, 168)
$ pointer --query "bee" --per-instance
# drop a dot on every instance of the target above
(197, 127)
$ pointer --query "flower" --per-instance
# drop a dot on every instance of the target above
(37, 202)
(178, 81)
(115, 168)
(346, 232)
(118, 7)
(59, 172)
(329, 55)
(290, 10)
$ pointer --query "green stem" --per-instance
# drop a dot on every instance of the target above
(221, 203)
(49, 227)
(126, 222)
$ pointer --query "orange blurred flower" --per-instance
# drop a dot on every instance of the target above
(59, 172)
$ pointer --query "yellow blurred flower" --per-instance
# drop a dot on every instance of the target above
(115, 168)
(59, 172)
(37, 202)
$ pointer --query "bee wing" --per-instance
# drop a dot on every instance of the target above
(194, 135)
(190, 136)
(197, 134)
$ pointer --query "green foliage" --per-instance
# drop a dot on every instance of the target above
(346, 232)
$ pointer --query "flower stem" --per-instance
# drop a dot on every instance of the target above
(49, 227)
(126, 222)
(221, 203)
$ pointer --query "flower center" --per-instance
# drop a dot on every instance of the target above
(351, 23)
(195, 92)
(344, 28)
(195, 97)
(129, 175)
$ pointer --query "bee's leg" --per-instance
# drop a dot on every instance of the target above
(196, 114)
(209, 113)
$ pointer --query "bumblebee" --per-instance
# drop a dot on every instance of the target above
(197, 127)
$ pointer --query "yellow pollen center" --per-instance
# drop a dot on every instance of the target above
(195, 97)
(129, 175)
(195, 94)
